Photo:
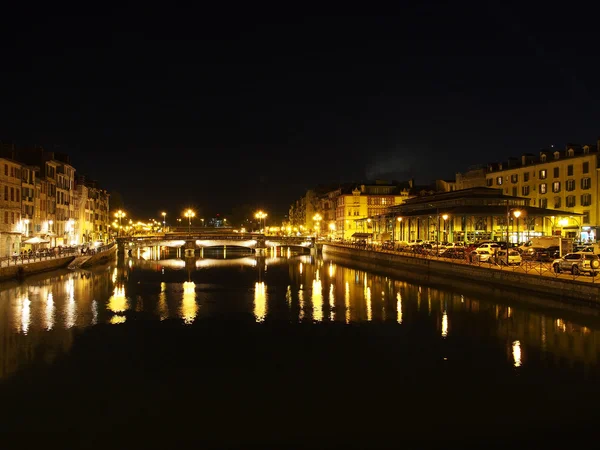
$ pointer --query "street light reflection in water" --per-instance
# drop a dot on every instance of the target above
(296, 289)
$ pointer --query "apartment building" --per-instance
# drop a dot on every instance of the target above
(12, 226)
(91, 211)
(565, 180)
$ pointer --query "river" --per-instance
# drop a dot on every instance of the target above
(42, 317)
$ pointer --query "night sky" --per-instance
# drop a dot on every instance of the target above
(228, 113)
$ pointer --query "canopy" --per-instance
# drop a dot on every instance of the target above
(362, 235)
(35, 240)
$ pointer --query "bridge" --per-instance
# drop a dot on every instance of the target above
(199, 239)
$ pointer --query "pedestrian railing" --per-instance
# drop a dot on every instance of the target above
(541, 268)
(49, 254)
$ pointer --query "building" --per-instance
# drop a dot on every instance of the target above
(565, 180)
(473, 177)
(58, 174)
(91, 212)
(468, 215)
(355, 206)
(12, 225)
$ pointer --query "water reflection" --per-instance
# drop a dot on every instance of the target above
(49, 312)
(260, 301)
(43, 311)
(189, 308)
(516, 353)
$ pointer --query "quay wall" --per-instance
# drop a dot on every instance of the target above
(101, 258)
(450, 274)
(22, 270)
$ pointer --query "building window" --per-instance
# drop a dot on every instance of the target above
(570, 170)
(5, 216)
(490, 182)
(586, 183)
(556, 186)
(586, 167)
(556, 172)
(543, 188)
(514, 178)
(514, 191)
(526, 176)
(543, 174)
(570, 186)
(525, 190)
(499, 181)
(543, 202)
(586, 217)
(556, 202)
(586, 199)
(543, 158)
(570, 201)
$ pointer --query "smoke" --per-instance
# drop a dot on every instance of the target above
(392, 165)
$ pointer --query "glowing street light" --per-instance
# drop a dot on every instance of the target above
(189, 214)
(164, 214)
(317, 218)
(120, 215)
(260, 215)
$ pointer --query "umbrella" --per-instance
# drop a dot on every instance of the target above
(35, 240)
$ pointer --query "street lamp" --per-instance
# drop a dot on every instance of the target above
(120, 215)
(400, 234)
(445, 217)
(189, 214)
(164, 214)
(317, 218)
(260, 215)
(332, 229)
(517, 214)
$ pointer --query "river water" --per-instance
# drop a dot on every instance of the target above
(42, 317)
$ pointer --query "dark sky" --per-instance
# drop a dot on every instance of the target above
(204, 108)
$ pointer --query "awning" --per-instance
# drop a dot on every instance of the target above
(362, 235)
(35, 240)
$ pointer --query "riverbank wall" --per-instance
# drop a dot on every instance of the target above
(19, 271)
(445, 273)
(101, 258)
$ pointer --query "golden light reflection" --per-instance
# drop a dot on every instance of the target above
(49, 312)
(301, 303)
(317, 300)
(399, 307)
(25, 315)
(288, 296)
(116, 319)
(444, 324)
(163, 309)
(331, 270)
(331, 302)
(516, 352)
(300, 267)
(70, 306)
(114, 275)
(368, 303)
(117, 303)
(260, 301)
(189, 307)
(347, 301)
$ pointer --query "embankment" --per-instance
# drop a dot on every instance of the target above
(459, 276)
(23, 270)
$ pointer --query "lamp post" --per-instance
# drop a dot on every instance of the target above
(189, 214)
(120, 215)
(202, 220)
(317, 218)
(260, 215)
(332, 229)
(400, 234)
(164, 214)
(445, 217)
(517, 214)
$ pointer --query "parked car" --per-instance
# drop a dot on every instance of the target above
(536, 254)
(577, 262)
(513, 258)
(554, 251)
(454, 253)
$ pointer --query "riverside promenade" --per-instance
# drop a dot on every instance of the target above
(15, 267)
